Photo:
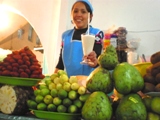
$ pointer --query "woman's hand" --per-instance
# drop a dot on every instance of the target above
(92, 59)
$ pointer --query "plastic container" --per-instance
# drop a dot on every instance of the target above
(113, 40)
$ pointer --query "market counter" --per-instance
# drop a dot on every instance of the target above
(13, 117)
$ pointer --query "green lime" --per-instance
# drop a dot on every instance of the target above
(62, 94)
(57, 101)
(155, 106)
(32, 104)
(72, 109)
(59, 86)
(48, 99)
(39, 98)
(61, 108)
(45, 91)
(51, 86)
(67, 86)
(147, 102)
(72, 95)
(41, 106)
(41, 86)
(48, 81)
(75, 86)
(152, 116)
(54, 92)
(53, 76)
(78, 103)
(37, 92)
(51, 107)
(67, 102)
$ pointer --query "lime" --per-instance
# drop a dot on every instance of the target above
(67, 86)
(75, 86)
(57, 101)
(48, 81)
(78, 103)
(41, 86)
(73, 79)
(52, 86)
(152, 116)
(72, 95)
(82, 90)
(37, 92)
(61, 72)
(31, 104)
(62, 93)
(48, 99)
(56, 80)
(72, 109)
(45, 91)
(63, 78)
(61, 108)
(67, 102)
(84, 97)
(53, 76)
(154, 106)
(59, 86)
(147, 102)
(41, 106)
(39, 98)
(51, 107)
(54, 92)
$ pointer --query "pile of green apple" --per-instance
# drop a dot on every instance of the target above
(59, 93)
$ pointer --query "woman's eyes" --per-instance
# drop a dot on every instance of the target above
(80, 11)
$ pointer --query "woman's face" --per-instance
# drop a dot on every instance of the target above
(79, 15)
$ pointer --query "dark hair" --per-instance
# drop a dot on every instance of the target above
(86, 5)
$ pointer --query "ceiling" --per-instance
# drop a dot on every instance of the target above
(15, 22)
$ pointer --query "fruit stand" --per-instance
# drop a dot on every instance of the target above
(113, 91)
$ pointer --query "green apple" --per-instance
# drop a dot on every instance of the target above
(63, 78)
(48, 99)
(67, 86)
(73, 79)
(52, 86)
(75, 86)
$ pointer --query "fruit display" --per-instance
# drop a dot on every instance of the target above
(21, 63)
(13, 99)
(153, 109)
(59, 93)
(152, 76)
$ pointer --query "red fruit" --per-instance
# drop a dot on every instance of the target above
(27, 71)
(27, 63)
(9, 68)
(12, 60)
(25, 58)
(14, 74)
(15, 52)
(17, 57)
(20, 62)
(24, 75)
(23, 66)
(15, 69)
(15, 64)
(20, 70)
(6, 73)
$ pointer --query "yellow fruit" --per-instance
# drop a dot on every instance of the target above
(67, 86)
(56, 80)
(82, 90)
(155, 106)
(57, 101)
(73, 79)
(63, 78)
(75, 86)
(52, 86)
(59, 86)
(53, 76)
(48, 99)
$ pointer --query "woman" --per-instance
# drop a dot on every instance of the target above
(71, 53)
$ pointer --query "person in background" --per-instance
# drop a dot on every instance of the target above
(71, 52)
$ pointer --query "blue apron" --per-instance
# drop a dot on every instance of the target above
(72, 54)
